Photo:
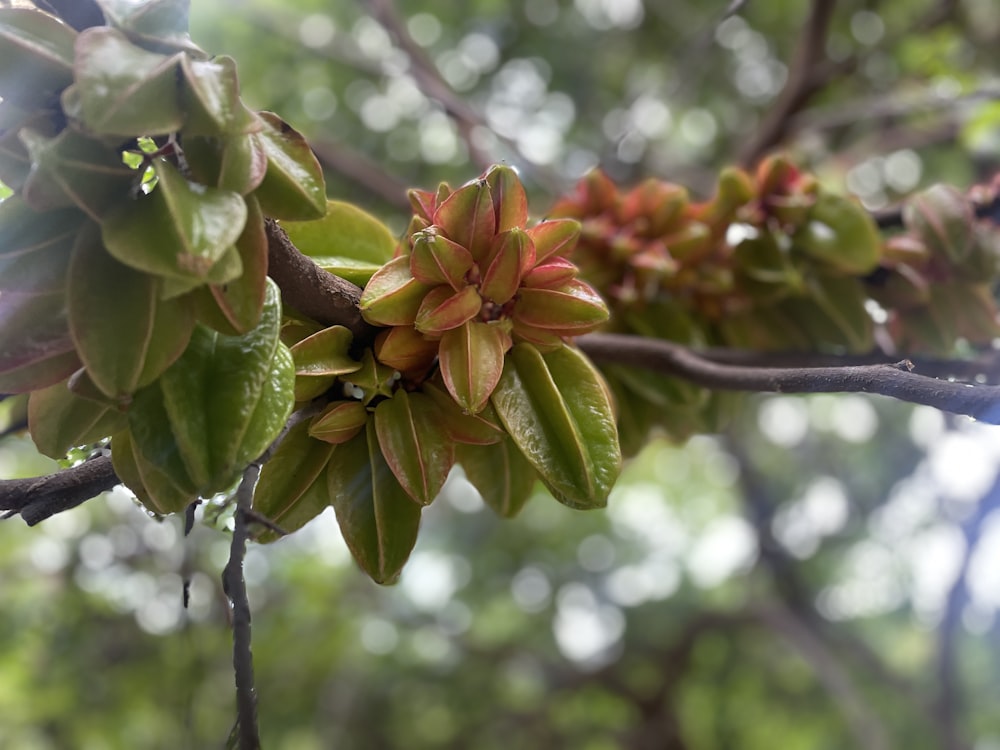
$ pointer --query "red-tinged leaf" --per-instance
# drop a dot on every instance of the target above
(415, 444)
(435, 259)
(500, 473)
(392, 296)
(557, 410)
(36, 349)
(943, 218)
(511, 255)
(471, 359)
(475, 429)
(405, 349)
(424, 203)
(339, 422)
(378, 520)
(554, 273)
(325, 353)
(59, 420)
(443, 309)
(467, 217)
(319, 358)
(572, 308)
(122, 89)
(510, 202)
(554, 238)
(292, 489)
(293, 188)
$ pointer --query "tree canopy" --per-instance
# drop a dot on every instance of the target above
(246, 322)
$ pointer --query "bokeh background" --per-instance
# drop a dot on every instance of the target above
(825, 574)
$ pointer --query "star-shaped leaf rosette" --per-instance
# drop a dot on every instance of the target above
(474, 366)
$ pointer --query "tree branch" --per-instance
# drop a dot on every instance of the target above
(38, 498)
(980, 402)
(801, 84)
(325, 298)
(234, 584)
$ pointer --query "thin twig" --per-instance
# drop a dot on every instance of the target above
(234, 584)
(362, 172)
(980, 402)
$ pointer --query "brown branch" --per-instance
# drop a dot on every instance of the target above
(235, 587)
(325, 298)
(38, 498)
(803, 81)
(980, 402)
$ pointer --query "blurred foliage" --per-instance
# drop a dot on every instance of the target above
(790, 583)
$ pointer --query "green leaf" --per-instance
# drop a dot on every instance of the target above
(392, 296)
(75, 170)
(378, 520)
(841, 234)
(557, 410)
(347, 242)
(180, 231)
(35, 345)
(225, 400)
(152, 487)
(293, 188)
(59, 420)
(156, 24)
(36, 57)
(35, 247)
(211, 97)
(293, 489)
(122, 89)
(228, 162)
(500, 473)
(339, 422)
(125, 335)
(415, 443)
(241, 300)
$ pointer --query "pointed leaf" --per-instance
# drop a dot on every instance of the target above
(152, 487)
(35, 247)
(339, 422)
(35, 345)
(511, 255)
(467, 217)
(211, 97)
(435, 259)
(443, 309)
(36, 57)
(179, 231)
(59, 420)
(405, 349)
(124, 334)
(572, 308)
(555, 272)
(75, 170)
(557, 410)
(293, 489)
(325, 353)
(377, 518)
(293, 188)
(471, 359)
(122, 89)
(476, 429)
(241, 300)
(510, 202)
(231, 162)
(393, 296)
(554, 238)
(415, 444)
